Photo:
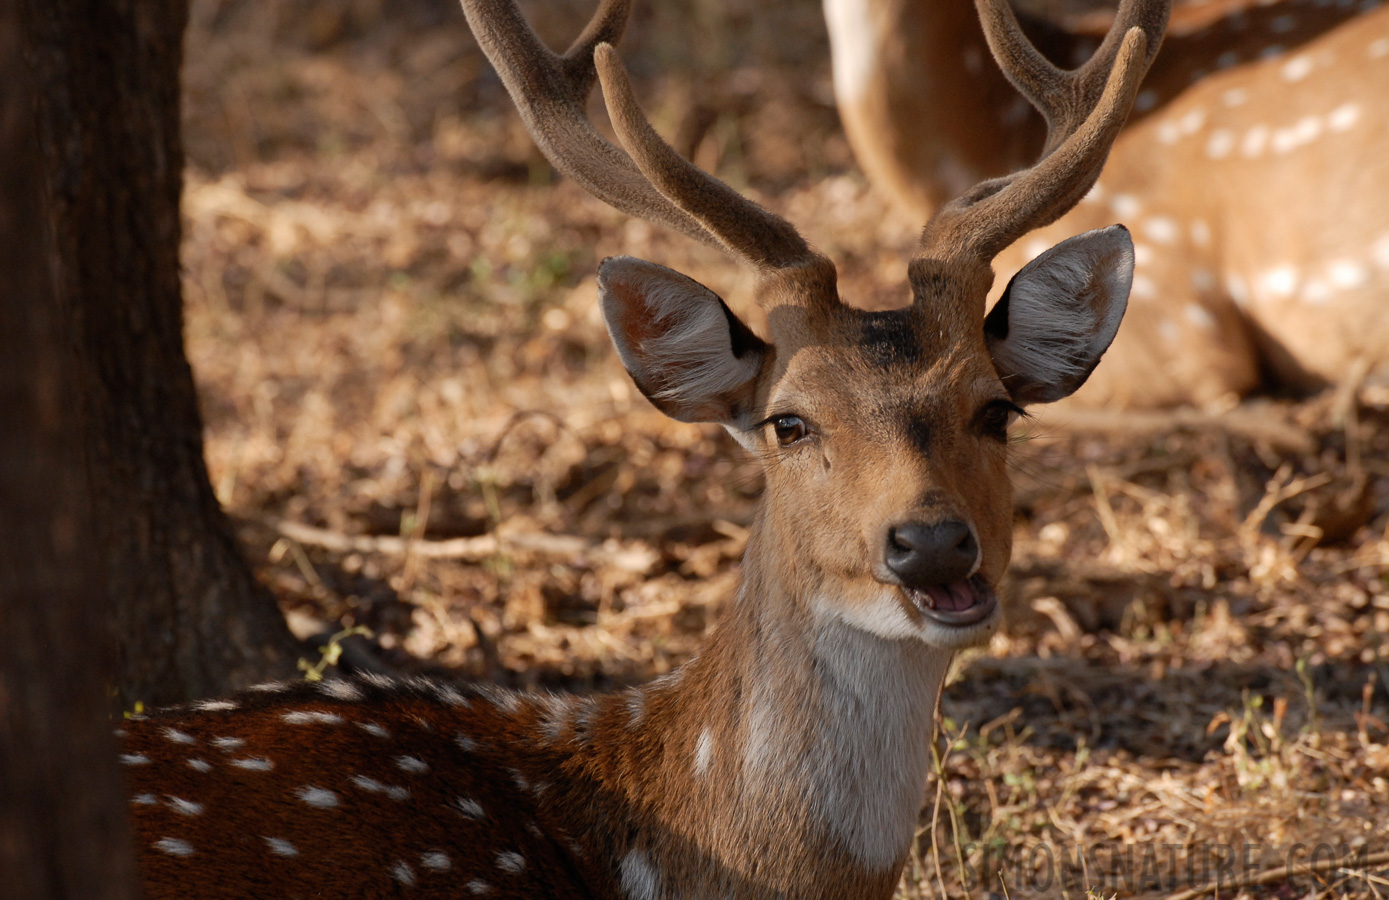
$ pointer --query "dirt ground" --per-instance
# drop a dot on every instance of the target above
(413, 410)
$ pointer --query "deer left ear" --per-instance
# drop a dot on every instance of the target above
(682, 345)
(1059, 314)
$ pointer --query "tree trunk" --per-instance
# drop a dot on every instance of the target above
(63, 826)
(189, 617)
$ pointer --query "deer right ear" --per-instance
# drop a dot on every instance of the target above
(682, 345)
(1059, 314)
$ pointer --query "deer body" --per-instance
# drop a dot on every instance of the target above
(1254, 180)
(789, 759)
(792, 765)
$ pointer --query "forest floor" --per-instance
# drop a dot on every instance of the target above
(413, 410)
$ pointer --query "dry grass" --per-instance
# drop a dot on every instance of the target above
(393, 322)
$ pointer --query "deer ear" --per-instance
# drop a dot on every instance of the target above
(1058, 315)
(681, 344)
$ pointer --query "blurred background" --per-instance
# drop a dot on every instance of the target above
(414, 414)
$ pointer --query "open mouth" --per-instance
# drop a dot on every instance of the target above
(965, 602)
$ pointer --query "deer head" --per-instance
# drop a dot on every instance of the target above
(883, 434)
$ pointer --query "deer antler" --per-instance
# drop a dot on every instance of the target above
(654, 182)
(1084, 110)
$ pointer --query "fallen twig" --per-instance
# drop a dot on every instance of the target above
(1280, 874)
(632, 557)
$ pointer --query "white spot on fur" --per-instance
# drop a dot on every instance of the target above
(1143, 288)
(1202, 280)
(311, 717)
(1316, 292)
(510, 861)
(1343, 117)
(1034, 247)
(704, 751)
(254, 764)
(412, 764)
(1305, 131)
(216, 705)
(1145, 100)
(1298, 68)
(1280, 281)
(1168, 331)
(450, 696)
(519, 779)
(371, 785)
(1126, 206)
(1379, 48)
(467, 744)
(436, 860)
(1168, 132)
(1200, 233)
(1095, 194)
(1192, 121)
(1255, 139)
(134, 759)
(636, 707)
(317, 797)
(144, 800)
(468, 807)
(1198, 316)
(1221, 142)
(173, 847)
(1283, 24)
(1235, 97)
(478, 887)
(1142, 254)
(1379, 251)
(183, 807)
(555, 719)
(200, 765)
(339, 689)
(228, 744)
(640, 880)
(1161, 229)
(1227, 59)
(373, 729)
(1238, 290)
(402, 872)
(1347, 274)
(280, 847)
(270, 687)
(178, 737)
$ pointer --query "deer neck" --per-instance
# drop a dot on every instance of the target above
(793, 750)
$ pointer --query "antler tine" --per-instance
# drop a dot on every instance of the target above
(654, 183)
(1065, 97)
(743, 227)
(1084, 108)
(549, 92)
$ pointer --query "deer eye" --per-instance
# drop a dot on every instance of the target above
(995, 418)
(789, 430)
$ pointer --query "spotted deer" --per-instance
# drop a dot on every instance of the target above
(789, 758)
(1255, 175)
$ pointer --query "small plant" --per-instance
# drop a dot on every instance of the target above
(330, 653)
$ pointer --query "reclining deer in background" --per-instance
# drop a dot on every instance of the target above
(1255, 177)
(789, 758)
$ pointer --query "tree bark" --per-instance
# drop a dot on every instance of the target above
(63, 829)
(189, 616)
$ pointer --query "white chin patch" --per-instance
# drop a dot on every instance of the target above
(887, 615)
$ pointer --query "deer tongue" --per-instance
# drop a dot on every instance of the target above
(956, 596)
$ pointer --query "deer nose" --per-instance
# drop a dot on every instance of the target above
(940, 553)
